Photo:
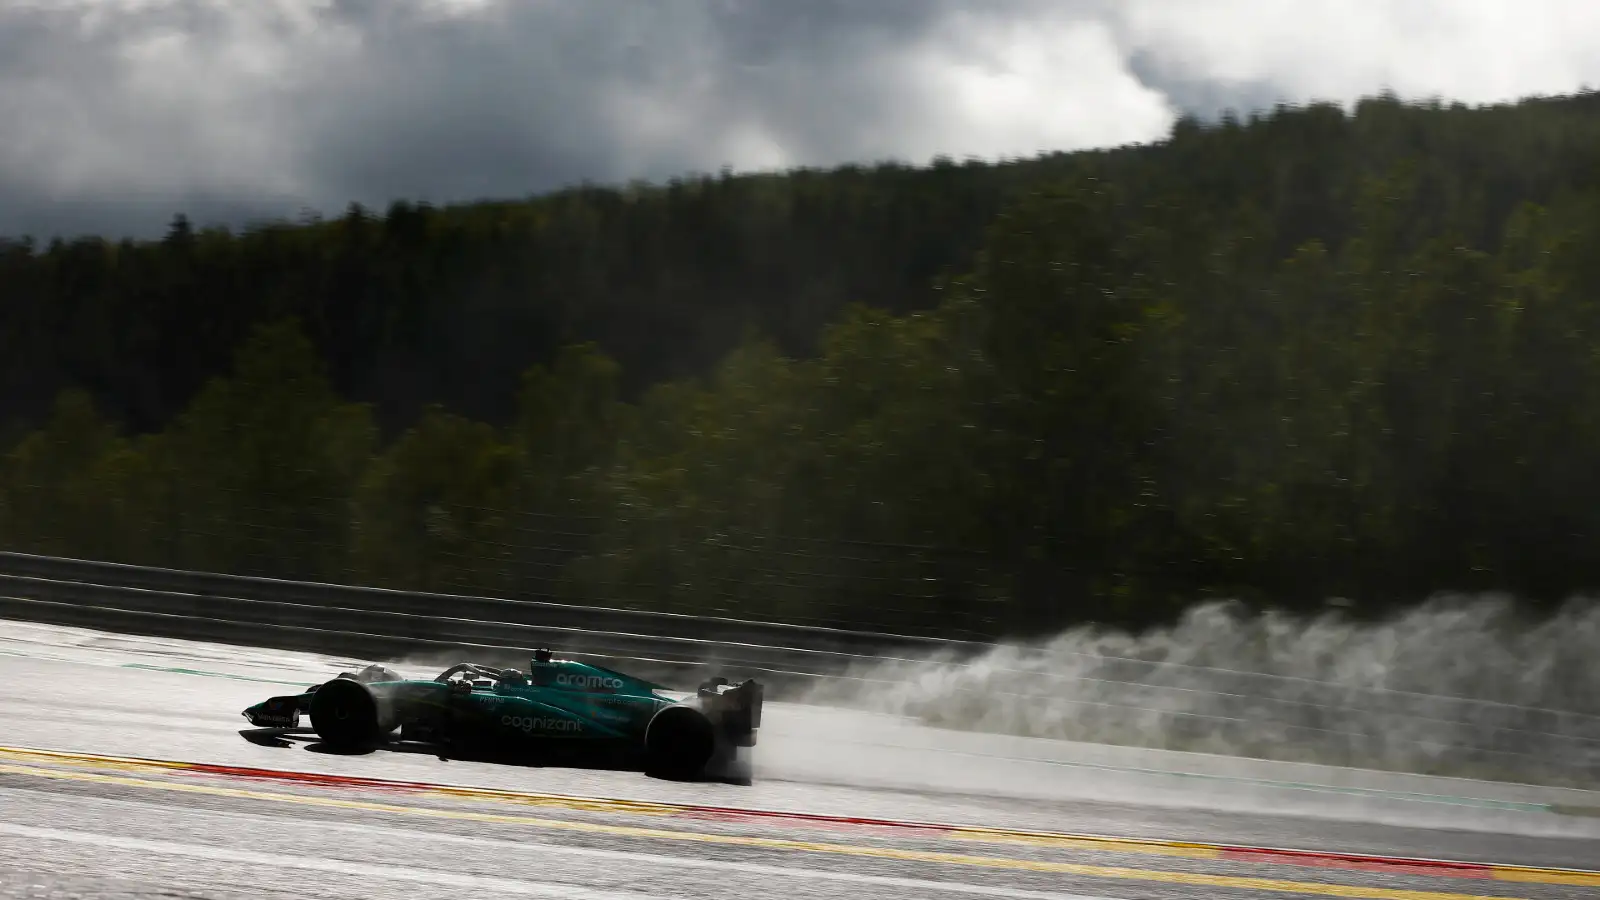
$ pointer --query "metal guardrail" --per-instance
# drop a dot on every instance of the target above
(350, 619)
(523, 611)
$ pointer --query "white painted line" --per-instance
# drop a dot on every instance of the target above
(277, 862)
(220, 854)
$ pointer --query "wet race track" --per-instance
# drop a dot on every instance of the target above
(145, 787)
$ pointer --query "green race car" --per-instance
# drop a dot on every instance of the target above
(557, 704)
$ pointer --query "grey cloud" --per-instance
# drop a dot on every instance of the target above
(1208, 101)
(121, 112)
(386, 98)
(550, 93)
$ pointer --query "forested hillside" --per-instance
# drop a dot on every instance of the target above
(1309, 355)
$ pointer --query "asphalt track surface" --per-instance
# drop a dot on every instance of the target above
(147, 788)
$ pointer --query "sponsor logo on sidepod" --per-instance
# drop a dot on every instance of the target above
(590, 681)
(530, 724)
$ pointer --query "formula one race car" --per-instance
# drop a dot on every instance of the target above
(558, 702)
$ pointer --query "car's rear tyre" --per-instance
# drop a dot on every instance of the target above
(345, 714)
(678, 743)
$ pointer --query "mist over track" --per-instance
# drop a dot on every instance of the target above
(1459, 685)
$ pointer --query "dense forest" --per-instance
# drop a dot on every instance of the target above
(1303, 356)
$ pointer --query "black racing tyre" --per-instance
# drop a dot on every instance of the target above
(345, 714)
(678, 743)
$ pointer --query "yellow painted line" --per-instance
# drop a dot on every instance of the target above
(111, 762)
(1175, 849)
(1090, 843)
(907, 855)
(580, 804)
(1525, 875)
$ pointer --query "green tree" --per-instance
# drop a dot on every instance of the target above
(431, 512)
(265, 462)
(49, 502)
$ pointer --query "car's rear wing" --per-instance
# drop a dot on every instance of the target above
(737, 708)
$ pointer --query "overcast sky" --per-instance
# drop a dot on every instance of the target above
(119, 113)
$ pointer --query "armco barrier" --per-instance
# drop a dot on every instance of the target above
(524, 611)
(356, 621)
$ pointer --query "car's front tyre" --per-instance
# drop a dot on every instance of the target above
(344, 713)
